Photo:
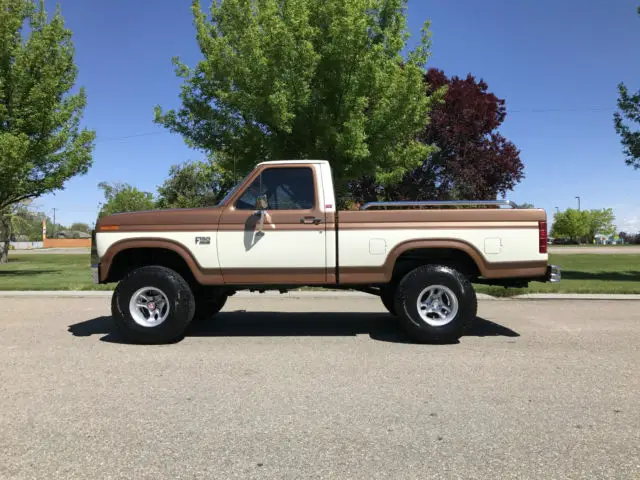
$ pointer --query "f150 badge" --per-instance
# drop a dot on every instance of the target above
(203, 240)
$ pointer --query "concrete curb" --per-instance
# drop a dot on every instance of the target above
(324, 294)
(577, 296)
(56, 293)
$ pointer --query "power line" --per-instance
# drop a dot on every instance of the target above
(563, 110)
(509, 110)
(124, 137)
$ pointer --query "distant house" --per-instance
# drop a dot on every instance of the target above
(613, 239)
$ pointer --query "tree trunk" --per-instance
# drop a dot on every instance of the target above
(5, 235)
(4, 252)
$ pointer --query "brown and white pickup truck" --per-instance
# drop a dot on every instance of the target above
(279, 229)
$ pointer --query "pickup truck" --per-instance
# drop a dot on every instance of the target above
(279, 229)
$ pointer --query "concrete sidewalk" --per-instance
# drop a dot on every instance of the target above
(326, 294)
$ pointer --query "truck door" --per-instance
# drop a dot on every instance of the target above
(286, 246)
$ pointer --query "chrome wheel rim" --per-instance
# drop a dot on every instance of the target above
(149, 307)
(437, 305)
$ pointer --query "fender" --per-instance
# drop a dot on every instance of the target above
(203, 276)
(529, 269)
(452, 244)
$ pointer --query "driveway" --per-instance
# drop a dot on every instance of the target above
(321, 388)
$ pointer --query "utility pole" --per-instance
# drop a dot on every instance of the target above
(578, 203)
(54, 223)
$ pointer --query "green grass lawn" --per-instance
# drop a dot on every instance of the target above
(580, 274)
(584, 273)
(48, 272)
(590, 245)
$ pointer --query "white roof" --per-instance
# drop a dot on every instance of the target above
(285, 162)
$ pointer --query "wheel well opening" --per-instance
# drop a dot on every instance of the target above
(450, 257)
(130, 259)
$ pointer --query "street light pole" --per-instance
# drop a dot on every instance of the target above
(557, 210)
(54, 223)
(578, 203)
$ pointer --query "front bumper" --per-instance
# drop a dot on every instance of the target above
(553, 274)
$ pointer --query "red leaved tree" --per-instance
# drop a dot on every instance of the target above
(473, 162)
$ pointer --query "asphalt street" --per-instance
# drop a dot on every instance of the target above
(321, 388)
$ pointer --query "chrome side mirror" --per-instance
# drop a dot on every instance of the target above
(261, 202)
(261, 207)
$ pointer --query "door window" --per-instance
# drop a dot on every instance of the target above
(289, 188)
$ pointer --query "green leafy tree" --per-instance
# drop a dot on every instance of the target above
(53, 230)
(571, 223)
(41, 142)
(35, 228)
(194, 184)
(600, 222)
(306, 79)
(629, 105)
(122, 197)
(473, 160)
(526, 205)
(29, 229)
(14, 222)
(628, 115)
(80, 227)
(28, 222)
(583, 224)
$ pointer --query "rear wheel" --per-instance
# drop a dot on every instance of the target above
(152, 305)
(436, 304)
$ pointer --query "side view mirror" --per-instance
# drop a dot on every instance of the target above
(261, 207)
(261, 202)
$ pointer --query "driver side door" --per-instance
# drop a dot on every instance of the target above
(290, 248)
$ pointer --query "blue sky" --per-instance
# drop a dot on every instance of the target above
(556, 63)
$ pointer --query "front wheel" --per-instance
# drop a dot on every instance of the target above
(209, 302)
(152, 305)
(388, 296)
(436, 304)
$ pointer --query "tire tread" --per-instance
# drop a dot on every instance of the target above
(419, 278)
(173, 328)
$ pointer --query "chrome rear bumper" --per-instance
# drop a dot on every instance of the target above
(554, 273)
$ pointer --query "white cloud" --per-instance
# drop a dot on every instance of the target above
(630, 224)
(627, 217)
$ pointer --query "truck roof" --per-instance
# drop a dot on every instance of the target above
(285, 162)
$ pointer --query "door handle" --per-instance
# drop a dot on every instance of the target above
(310, 220)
